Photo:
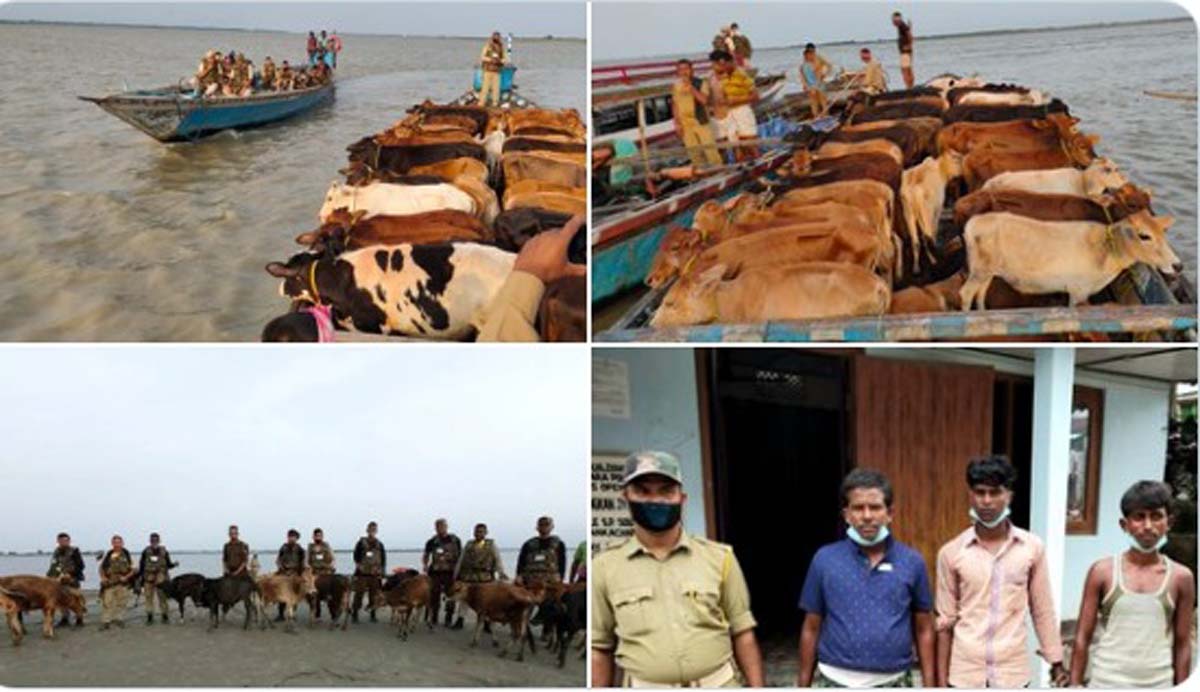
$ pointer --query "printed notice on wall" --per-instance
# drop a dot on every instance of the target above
(610, 514)
(610, 389)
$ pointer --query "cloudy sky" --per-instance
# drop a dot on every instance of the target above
(411, 19)
(187, 440)
(622, 29)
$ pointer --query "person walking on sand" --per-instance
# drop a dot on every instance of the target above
(289, 561)
(813, 72)
(904, 40)
(235, 556)
(66, 565)
(690, 111)
(645, 589)
(1141, 600)
(491, 59)
(370, 562)
(441, 555)
(153, 569)
(116, 575)
(981, 640)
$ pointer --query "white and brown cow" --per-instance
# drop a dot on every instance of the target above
(429, 291)
(289, 590)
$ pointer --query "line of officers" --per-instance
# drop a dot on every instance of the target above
(445, 559)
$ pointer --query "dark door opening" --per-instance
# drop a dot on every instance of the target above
(1012, 436)
(779, 454)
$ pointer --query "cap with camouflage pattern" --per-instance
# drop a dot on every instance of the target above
(646, 463)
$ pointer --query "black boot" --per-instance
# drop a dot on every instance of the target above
(279, 616)
(458, 624)
(149, 618)
(354, 616)
(164, 618)
(64, 621)
(373, 616)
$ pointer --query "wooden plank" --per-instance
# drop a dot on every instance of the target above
(919, 423)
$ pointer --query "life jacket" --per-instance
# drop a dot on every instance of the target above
(65, 562)
(291, 559)
(372, 557)
(320, 558)
(156, 560)
(479, 562)
(117, 563)
(541, 562)
(235, 555)
(445, 555)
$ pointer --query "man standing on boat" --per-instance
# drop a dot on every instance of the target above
(334, 46)
(735, 93)
(739, 46)
(904, 40)
(491, 60)
(689, 107)
(813, 72)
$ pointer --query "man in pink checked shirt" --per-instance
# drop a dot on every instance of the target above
(988, 577)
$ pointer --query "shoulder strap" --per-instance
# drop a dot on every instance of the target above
(1165, 587)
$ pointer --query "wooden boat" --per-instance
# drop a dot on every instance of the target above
(174, 114)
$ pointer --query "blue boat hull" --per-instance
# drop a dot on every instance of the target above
(506, 78)
(206, 121)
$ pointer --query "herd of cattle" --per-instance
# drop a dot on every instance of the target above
(424, 231)
(560, 608)
(853, 225)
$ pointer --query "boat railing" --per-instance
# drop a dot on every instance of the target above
(622, 75)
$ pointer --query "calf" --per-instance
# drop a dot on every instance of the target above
(983, 164)
(956, 93)
(544, 195)
(334, 591)
(405, 594)
(431, 291)
(569, 617)
(183, 587)
(352, 231)
(396, 200)
(921, 107)
(545, 143)
(12, 612)
(935, 297)
(288, 590)
(922, 194)
(1011, 98)
(1112, 206)
(399, 158)
(450, 169)
(1091, 182)
(224, 593)
(915, 143)
(806, 171)
(544, 166)
(503, 603)
(28, 592)
(1078, 257)
(833, 150)
(992, 114)
(965, 137)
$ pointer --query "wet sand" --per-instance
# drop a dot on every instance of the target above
(187, 653)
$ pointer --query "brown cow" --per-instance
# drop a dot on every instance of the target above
(920, 107)
(400, 158)
(915, 143)
(833, 150)
(565, 121)
(500, 602)
(545, 195)
(935, 297)
(12, 612)
(1113, 206)
(348, 230)
(44, 594)
(965, 137)
(986, 163)
(805, 171)
(288, 590)
(450, 169)
(545, 143)
(562, 315)
(812, 242)
(993, 114)
(405, 596)
(544, 166)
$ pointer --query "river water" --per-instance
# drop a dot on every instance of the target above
(110, 236)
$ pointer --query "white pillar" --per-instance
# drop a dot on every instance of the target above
(1053, 385)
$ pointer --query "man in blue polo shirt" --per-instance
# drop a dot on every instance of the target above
(864, 598)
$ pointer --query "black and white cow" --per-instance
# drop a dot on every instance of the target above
(429, 291)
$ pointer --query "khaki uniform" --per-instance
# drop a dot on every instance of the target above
(873, 77)
(479, 562)
(268, 74)
(670, 622)
(156, 563)
(235, 556)
(697, 137)
(491, 60)
(114, 597)
(320, 558)
(510, 316)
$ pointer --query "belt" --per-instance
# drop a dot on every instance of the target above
(718, 678)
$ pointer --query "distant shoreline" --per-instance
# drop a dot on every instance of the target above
(126, 25)
(937, 37)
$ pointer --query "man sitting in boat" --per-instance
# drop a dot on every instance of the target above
(491, 59)
(319, 74)
(734, 93)
(871, 78)
(267, 77)
(208, 74)
(301, 79)
(689, 106)
(285, 77)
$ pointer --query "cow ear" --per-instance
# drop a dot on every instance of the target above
(282, 271)
(307, 238)
(1092, 140)
(1165, 222)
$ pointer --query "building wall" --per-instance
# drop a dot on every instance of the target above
(666, 417)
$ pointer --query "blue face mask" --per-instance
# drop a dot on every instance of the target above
(1133, 543)
(880, 537)
(993, 523)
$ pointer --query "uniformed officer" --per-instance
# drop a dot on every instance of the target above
(154, 569)
(370, 561)
(235, 556)
(320, 561)
(672, 610)
(289, 561)
(116, 575)
(479, 563)
(66, 565)
(439, 559)
(543, 558)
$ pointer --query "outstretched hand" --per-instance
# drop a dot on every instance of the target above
(545, 254)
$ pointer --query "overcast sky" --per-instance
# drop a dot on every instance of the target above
(623, 30)
(185, 441)
(412, 19)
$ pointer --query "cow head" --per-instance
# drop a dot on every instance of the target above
(678, 244)
(458, 592)
(1128, 198)
(1101, 175)
(950, 165)
(1144, 238)
(692, 300)
(338, 195)
(308, 582)
(72, 599)
(299, 276)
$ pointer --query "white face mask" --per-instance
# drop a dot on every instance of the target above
(1158, 545)
(1000, 519)
(880, 537)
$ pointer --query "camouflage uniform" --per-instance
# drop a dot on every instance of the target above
(320, 558)
(115, 570)
(234, 557)
(443, 557)
(370, 561)
(155, 569)
(542, 560)
(66, 565)
(479, 563)
(290, 560)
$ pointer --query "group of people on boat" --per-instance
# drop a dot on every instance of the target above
(233, 74)
(323, 49)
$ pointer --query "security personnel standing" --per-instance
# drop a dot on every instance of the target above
(370, 561)
(235, 556)
(320, 561)
(154, 569)
(116, 574)
(543, 558)
(672, 610)
(66, 565)
(439, 560)
(289, 561)
(479, 563)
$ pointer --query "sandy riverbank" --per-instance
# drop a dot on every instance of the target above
(186, 653)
